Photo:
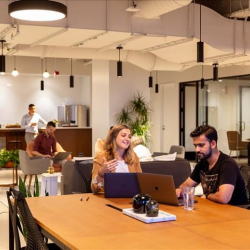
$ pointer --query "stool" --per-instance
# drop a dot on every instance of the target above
(16, 143)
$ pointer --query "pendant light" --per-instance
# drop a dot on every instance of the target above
(46, 74)
(15, 72)
(200, 46)
(202, 79)
(150, 81)
(42, 81)
(156, 85)
(71, 78)
(215, 72)
(119, 63)
(2, 60)
(37, 10)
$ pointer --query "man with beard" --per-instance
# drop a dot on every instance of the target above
(45, 143)
(218, 173)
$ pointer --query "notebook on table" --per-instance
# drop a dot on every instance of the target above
(120, 185)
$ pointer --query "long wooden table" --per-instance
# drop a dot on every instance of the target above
(90, 224)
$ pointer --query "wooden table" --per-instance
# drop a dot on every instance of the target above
(90, 224)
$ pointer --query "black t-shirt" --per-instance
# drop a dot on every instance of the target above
(225, 171)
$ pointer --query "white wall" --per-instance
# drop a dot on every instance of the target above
(123, 89)
(17, 93)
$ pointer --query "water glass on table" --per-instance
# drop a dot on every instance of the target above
(188, 198)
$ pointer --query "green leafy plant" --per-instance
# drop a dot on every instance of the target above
(26, 192)
(9, 156)
(136, 115)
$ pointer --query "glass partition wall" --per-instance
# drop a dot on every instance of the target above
(223, 104)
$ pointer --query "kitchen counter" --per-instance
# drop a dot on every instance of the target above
(73, 139)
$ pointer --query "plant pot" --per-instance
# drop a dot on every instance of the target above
(9, 164)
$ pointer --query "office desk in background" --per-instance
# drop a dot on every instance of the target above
(90, 224)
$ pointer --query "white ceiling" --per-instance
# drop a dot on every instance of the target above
(174, 49)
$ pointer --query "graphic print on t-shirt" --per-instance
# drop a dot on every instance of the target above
(209, 183)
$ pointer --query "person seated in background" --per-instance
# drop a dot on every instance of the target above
(117, 156)
(218, 173)
(45, 143)
(141, 151)
(100, 144)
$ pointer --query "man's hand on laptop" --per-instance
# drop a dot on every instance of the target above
(178, 192)
(47, 156)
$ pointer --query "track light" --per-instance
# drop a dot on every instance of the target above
(119, 63)
(150, 81)
(71, 78)
(2, 60)
(15, 72)
(42, 85)
(37, 10)
(200, 46)
(215, 72)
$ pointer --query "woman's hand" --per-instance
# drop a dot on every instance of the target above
(108, 166)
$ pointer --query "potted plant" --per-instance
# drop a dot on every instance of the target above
(136, 115)
(9, 158)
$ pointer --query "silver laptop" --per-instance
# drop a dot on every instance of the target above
(160, 187)
(61, 156)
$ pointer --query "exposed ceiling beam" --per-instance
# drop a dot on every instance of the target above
(49, 37)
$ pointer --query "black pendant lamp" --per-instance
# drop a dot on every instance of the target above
(150, 81)
(200, 46)
(2, 60)
(156, 85)
(37, 10)
(119, 63)
(215, 72)
(202, 79)
(42, 81)
(71, 78)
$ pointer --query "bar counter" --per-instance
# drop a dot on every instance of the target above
(73, 139)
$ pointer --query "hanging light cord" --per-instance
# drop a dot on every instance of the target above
(202, 71)
(2, 47)
(71, 66)
(200, 22)
(42, 67)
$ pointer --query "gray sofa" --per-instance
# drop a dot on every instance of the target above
(77, 175)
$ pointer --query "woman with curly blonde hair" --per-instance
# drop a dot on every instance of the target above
(118, 156)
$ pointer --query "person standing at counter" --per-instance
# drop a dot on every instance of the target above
(45, 143)
(30, 122)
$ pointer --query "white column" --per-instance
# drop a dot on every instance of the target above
(100, 100)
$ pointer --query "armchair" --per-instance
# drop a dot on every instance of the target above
(235, 143)
(33, 166)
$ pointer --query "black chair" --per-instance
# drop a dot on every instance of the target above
(20, 218)
(245, 172)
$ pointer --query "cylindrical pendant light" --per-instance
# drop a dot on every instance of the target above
(42, 81)
(2, 60)
(200, 46)
(150, 81)
(119, 63)
(156, 85)
(71, 78)
(202, 79)
(215, 72)
(42, 85)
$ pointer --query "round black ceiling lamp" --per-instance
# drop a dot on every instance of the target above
(37, 10)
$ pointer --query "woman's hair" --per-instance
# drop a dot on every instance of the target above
(110, 146)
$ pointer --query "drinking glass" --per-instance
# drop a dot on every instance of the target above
(188, 198)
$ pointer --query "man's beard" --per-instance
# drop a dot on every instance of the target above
(202, 156)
